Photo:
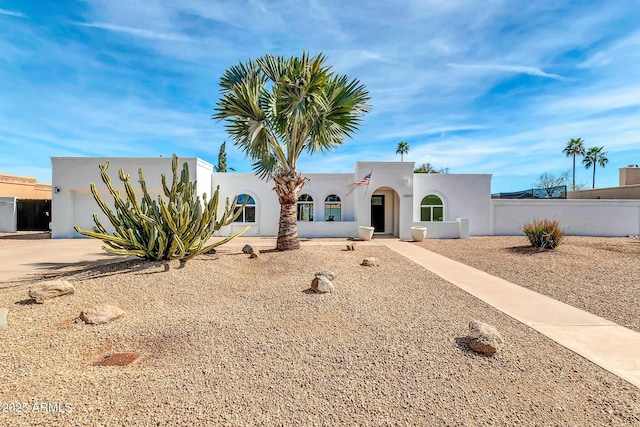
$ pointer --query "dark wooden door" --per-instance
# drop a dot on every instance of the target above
(34, 215)
(377, 213)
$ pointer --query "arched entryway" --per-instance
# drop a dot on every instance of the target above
(385, 211)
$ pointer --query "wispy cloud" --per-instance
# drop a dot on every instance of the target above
(515, 69)
(12, 13)
(140, 32)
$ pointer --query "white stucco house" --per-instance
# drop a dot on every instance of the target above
(394, 200)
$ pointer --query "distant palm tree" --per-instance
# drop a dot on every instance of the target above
(428, 168)
(276, 108)
(595, 156)
(403, 148)
(575, 147)
(222, 159)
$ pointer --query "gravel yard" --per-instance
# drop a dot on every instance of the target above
(234, 341)
(598, 275)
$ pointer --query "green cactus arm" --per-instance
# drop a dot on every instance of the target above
(103, 207)
(131, 195)
(115, 251)
(103, 237)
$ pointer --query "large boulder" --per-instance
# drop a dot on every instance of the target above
(484, 338)
(322, 285)
(326, 273)
(51, 289)
(101, 313)
(3, 319)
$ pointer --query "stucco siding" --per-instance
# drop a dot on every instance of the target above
(605, 218)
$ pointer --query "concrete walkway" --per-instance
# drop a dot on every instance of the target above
(613, 347)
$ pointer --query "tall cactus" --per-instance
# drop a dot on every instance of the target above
(176, 226)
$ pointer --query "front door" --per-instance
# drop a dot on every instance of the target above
(377, 213)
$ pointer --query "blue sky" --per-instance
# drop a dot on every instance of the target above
(476, 86)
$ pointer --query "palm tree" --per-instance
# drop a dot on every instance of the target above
(403, 148)
(222, 159)
(428, 168)
(276, 108)
(594, 156)
(575, 147)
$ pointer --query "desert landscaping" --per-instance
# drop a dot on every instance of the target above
(596, 274)
(230, 340)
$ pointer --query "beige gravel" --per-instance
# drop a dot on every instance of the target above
(596, 274)
(233, 341)
(21, 238)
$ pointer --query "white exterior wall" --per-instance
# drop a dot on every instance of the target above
(318, 187)
(605, 218)
(73, 204)
(464, 196)
(8, 214)
(467, 201)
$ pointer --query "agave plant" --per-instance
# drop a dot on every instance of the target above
(176, 226)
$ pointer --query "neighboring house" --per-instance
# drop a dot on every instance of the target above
(629, 187)
(24, 204)
(330, 205)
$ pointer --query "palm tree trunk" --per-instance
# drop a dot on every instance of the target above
(287, 228)
(288, 186)
(593, 184)
(573, 182)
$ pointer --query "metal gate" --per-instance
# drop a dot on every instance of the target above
(33, 215)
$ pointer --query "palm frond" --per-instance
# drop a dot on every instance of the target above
(275, 108)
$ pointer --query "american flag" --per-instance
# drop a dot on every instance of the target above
(363, 181)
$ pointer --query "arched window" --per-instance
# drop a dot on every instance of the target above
(249, 211)
(431, 208)
(305, 208)
(332, 208)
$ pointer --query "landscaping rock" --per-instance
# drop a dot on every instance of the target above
(247, 249)
(370, 262)
(101, 313)
(484, 338)
(326, 273)
(116, 359)
(254, 255)
(51, 289)
(3, 319)
(322, 285)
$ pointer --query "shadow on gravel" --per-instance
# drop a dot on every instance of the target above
(85, 270)
(461, 343)
(527, 250)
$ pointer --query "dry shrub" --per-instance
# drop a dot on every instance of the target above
(544, 233)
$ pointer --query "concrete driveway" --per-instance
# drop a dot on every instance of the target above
(39, 255)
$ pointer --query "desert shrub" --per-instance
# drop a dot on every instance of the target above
(544, 233)
(176, 226)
